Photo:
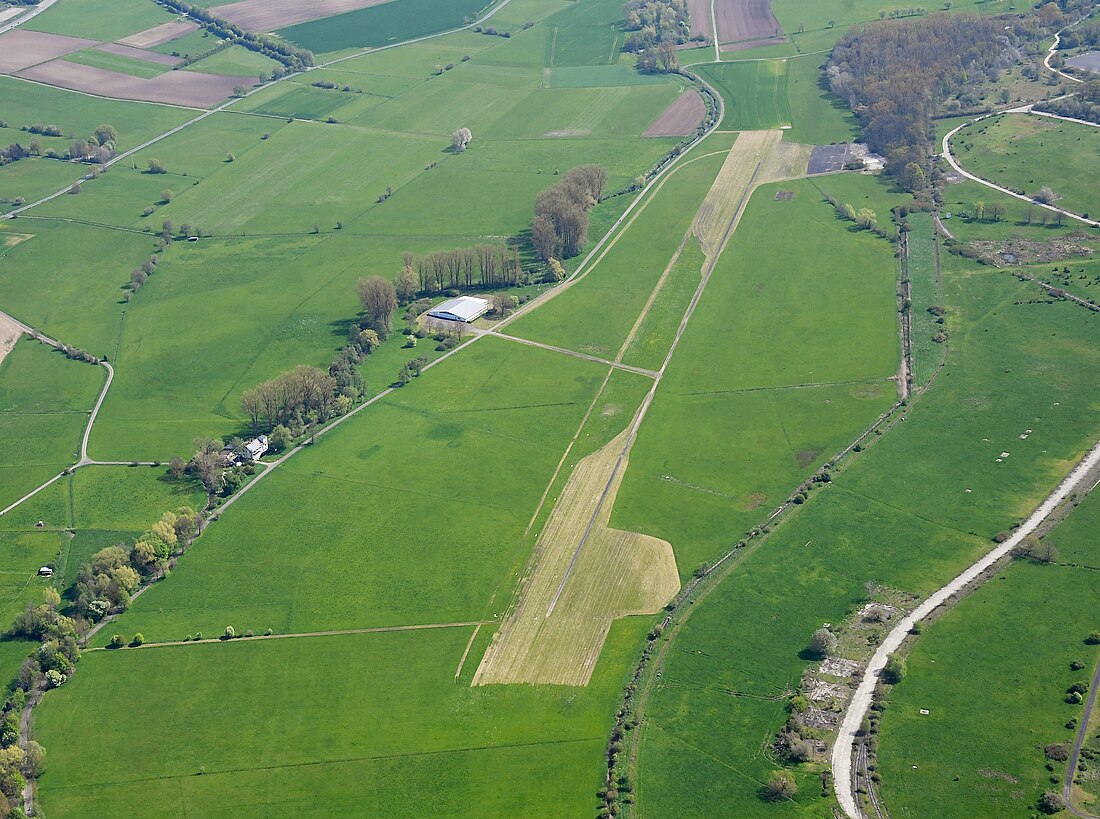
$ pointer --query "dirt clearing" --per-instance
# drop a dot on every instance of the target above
(21, 49)
(719, 211)
(680, 118)
(174, 87)
(9, 335)
(157, 35)
(139, 54)
(616, 574)
(268, 15)
(741, 20)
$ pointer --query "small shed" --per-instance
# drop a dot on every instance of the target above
(46, 571)
(464, 309)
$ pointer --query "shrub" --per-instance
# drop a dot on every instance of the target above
(894, 670)
(1079, 687)
(822, 643)
(198, 635)
(1093, 639)
(229, 633)
(780, 786)
(139, 639)
(1074, 698)
(267, 632)
(117, 641)
(1057, 751)
(1076, 665)
(1051, 802)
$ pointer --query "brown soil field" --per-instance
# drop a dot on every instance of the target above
(747, 44)
(720, 208)
(680, 118)
(745, 20)
(174, 87)
(9, 335)
(268, 15)
(157, 35)
(699, 16)
(139, 54)
(615, 574)
(21, 49)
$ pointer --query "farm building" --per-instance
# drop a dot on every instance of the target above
(464, 308)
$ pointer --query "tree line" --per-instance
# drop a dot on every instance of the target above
(98, 148)
(305, 395)
(896, 74)
(560, 227)
(294, 59)
(481, 266)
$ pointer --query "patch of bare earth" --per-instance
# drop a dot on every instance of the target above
(743, 20)
(174, 87)
(9, 335)
(1018, 250)
(21, 49)
(806, 457)
(680, 118)
(158, 35)
(140, 54)
(699, 16)
(567, 602)
(268, 15)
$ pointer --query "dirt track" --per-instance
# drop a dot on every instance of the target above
(21, 49)
(174, 87)
(740, 20)
(680, 118)
(158, 35)
(268, 15)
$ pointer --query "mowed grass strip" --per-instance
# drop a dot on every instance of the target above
(392, 731)
(583, 576)
(595, 315)
(413, 512)
(912, 533)
(116, 62)
(1025, 152)
(982, 758)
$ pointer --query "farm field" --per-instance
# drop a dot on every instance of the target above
(755, 93)
(866, 526)
(927, 293)
(236, 60)
(44, 403)
(381, 25)
(1025, 153)
(89, 18)
(817, 117)
(546, 741)
(116, 62)
(966, 758)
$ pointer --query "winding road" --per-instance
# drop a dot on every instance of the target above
(861, 700)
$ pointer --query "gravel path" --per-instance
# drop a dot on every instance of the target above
(861, 701)
(1082, 734)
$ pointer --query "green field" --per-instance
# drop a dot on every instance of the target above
(374, 743)
(817, 116)
(899, 516)
(927, 292)
(96, 20)
(1025, 153)
(737, 424)
(755, 93)
(984, 756)
(236, 60)
(115, 62)
(44, 403)
(196, 42)
(382, 25)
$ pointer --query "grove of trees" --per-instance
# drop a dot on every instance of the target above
(481, 266)
(1085, 104)
(560, 226)
(656, 27)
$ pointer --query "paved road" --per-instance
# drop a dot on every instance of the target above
(34, 12)
(861, 701)
(1050, 54)
(1082, 735)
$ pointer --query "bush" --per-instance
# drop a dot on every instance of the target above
(229, 633)
(1051, 802)
(1093, 639)
(822, 643)
(117, 641)
(780, 786)
(139, 639)
(894, 670)
(1057, 751)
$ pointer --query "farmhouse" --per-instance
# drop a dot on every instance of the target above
(255, 446)
(464, 308)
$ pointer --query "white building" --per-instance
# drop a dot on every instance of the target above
(464, 308)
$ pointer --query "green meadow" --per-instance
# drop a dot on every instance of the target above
(911, 510)
(756, 396)
(755, 93)
(927, 353)
(236, 60)
(382, 25)
(44, 403)
(394, 733)
(117, 63)
(421, 527)
(817, 116)
(1025, 153)
(983, 756)
(98, 21)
